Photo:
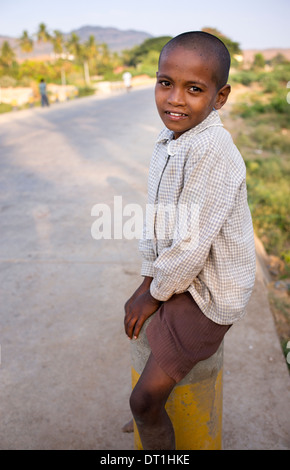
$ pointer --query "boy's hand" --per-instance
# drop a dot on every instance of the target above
(137, 311)
(144, 286)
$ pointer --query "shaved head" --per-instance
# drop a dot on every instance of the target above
(208, 46)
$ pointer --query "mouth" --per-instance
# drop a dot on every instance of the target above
(175, 116)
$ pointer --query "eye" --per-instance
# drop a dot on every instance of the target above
(165, 83)
(195, 89)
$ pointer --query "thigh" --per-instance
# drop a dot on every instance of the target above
(180, 335)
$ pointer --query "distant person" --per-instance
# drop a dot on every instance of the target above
(127, 80)
(42, 91)
(196, 283)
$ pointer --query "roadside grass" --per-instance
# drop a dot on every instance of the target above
(260, 118)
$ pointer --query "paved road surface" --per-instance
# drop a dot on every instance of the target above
(65, 371)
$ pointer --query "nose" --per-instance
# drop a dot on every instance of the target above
(176, 96)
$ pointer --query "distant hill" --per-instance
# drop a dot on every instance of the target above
(41, 51)
(116, 39)
(268, 54)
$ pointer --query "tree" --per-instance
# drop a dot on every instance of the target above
(105, 54)
(25, 42)
(42, 33)
(136, 55)
(259, 61)
(73, 46)
(57, 42)
(7, 56)
(91, 48)
(278, 60)
(90, 55)
(81, 52)
(232, 46)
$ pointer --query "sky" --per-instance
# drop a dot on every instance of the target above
(254, 24)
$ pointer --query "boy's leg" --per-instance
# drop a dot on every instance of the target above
(147, 403)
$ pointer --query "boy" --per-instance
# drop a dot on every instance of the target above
(197, 289)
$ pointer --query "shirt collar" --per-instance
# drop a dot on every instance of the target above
(166, 136)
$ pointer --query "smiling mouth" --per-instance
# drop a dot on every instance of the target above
(175, 114)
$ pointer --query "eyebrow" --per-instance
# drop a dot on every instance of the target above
(189, 82)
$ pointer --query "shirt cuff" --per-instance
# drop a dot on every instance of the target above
(155, 292)
(147, 268)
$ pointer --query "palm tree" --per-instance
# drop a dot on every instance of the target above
(91, 48)
(73, 46)
(57, 42)
(89, 55)
(42, 33)
(79, 52)
(104, 58)
(25, 42)
(105, 53)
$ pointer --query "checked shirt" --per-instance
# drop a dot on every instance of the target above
(198, 235)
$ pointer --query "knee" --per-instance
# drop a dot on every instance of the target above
(138, 403)
(143, 406)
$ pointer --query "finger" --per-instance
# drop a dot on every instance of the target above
(126, 322)
(129, 326)
(138, 325)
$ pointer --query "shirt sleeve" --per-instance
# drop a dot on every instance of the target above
(147, 252)
(204, 203)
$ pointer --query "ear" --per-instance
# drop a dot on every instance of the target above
(222, 96)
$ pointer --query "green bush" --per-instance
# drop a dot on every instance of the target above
(139, 53)
(269, 199)
(279, 103)
(247, 110)
(245, 77)
(85, 91)
(264, 137)
(5, 108)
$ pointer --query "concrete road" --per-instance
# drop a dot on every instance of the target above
(65, 362)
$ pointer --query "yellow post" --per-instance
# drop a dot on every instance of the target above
(195, 404)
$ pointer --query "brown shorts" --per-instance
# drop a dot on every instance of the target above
(180, 335)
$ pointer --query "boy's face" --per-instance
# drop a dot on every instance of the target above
(185, 91)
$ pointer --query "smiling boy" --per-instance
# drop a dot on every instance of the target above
(198, 290)
(191, 82)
